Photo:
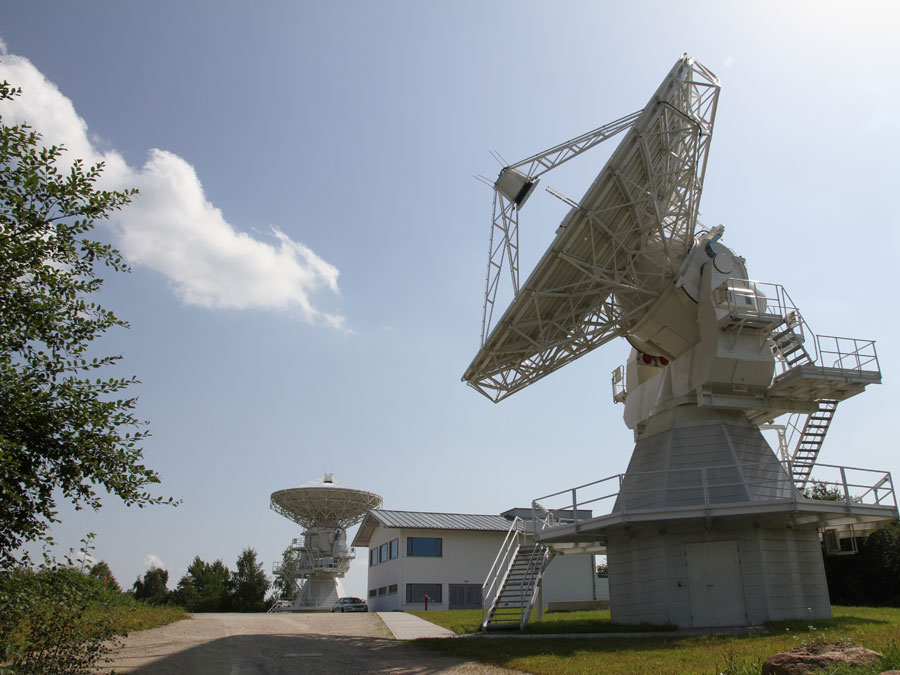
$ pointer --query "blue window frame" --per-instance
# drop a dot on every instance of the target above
(424, 546)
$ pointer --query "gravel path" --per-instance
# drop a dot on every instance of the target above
(257, 644)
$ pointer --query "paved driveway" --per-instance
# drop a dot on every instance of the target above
(251, 644)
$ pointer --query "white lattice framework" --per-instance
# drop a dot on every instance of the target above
(616, 249)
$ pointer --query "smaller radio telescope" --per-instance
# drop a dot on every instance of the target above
(325, 510)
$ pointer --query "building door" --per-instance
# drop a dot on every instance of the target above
(465, 596)
(714, 583)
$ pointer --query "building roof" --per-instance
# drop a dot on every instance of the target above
(422, 520)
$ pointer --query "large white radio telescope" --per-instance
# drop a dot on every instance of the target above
(707, 526)
(325, 509)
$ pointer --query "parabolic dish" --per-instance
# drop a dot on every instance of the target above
(617, 248)
(324, 503)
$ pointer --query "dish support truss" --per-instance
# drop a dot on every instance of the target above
(604, 267)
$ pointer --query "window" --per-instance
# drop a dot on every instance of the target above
(392, 589)
(382, 590)
(465, 596)
(417, 592)
(389, 551)
(424, 546)
(372, 592)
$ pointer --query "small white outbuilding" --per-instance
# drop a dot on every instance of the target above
(446, 556)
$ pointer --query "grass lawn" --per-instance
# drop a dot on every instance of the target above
(596, 621)
(138, 616)
(876, 628)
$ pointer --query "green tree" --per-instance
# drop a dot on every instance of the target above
(153, 587)
(205, 587)
(823, 492)
(102, 572)
(54, 620)
(872, 576)
(249, 584)
(881, 559)
(63, 430)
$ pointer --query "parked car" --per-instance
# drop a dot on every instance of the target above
(350, 605)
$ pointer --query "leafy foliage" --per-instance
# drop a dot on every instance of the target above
(205, 587)
(102, 572)
(152, 588)
(60, 429)
(60, 618)
(249, 584)
(46, 625)
(823, 492)
(872, 576)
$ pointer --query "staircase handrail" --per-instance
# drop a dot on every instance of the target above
(540, 557)
(795, 318)
(492, 585)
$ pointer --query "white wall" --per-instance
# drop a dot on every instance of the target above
(466, 558)
(780, 570)
(570, 578)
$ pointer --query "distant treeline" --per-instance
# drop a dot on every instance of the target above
(210, 587)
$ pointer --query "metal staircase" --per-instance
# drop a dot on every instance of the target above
(810, 442)
(788, 343)
(511, 608)
(512, 585)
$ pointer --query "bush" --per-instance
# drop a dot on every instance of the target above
(872, 576)
(55, 620)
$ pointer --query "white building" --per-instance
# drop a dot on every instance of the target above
(447, 556)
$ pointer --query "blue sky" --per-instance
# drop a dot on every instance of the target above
(309, 247)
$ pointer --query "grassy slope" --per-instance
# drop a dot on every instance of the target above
(128, 618)
(876, 628)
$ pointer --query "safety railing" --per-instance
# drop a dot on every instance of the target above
(543, 517)
(540, 558)
(847, 353)
(714, 486)
(618, 385)
(493, 582)
(754, 303)
(851, 485)
(307, 564)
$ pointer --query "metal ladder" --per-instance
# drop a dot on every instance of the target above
(811, 438)
(787, 344)
(512, 607)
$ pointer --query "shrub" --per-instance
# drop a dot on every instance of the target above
(55, 620)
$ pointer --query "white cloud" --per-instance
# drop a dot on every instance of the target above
(153, 562)
(171, 228)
